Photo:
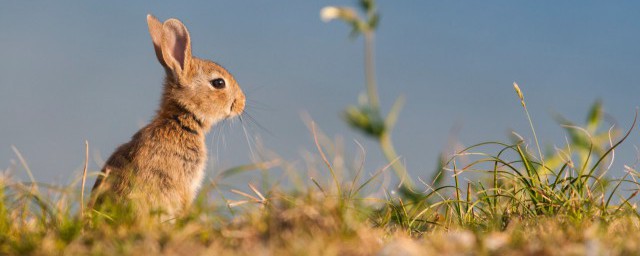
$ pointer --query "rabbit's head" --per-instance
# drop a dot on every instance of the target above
(199, 86)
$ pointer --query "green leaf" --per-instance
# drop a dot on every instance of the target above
(367, 5)
(437, 179)
(392, 117)
(595, 116)
(374, 21)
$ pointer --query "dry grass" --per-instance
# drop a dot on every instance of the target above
(308, 224)
(513, 206)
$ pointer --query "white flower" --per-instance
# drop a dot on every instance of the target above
(329, 13)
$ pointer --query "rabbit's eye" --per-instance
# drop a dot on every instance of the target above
(218, 83)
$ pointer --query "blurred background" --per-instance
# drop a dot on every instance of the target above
(73, 71)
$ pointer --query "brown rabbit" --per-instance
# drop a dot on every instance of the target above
(162, 167)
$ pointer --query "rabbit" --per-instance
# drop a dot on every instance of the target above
(162, 167)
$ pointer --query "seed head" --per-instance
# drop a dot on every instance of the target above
(519, 92)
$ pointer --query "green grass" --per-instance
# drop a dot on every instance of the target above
(488, 199)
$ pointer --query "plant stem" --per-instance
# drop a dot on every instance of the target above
(369, 71)
(372, 94)
(457, 188)
(535, 138)
(390, 153)
(84, 176)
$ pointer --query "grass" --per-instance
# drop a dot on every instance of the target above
(498, 199)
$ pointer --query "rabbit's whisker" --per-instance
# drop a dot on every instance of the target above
(218, 134)
(252, 120)
(253, 104)
(246, 136)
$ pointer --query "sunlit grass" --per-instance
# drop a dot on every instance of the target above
(496, 198)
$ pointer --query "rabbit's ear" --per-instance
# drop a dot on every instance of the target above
(176, 47)
(155, 29)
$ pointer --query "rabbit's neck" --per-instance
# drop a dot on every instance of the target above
(184, 119)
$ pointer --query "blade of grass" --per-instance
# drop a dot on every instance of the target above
(324, 158)
(84, 177)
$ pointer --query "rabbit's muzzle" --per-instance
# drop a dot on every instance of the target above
(237, 106)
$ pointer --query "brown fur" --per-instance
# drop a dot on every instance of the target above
(163, 165)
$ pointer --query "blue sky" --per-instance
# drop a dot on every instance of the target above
(74, 71)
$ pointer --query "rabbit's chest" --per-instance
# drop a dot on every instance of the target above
(193, 172)
(196, 180)
(193, 167)
(177, 169)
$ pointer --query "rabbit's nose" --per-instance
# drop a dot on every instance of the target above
(238, 105)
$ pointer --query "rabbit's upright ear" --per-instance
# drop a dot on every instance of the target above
(176, 47)
(155, 29)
